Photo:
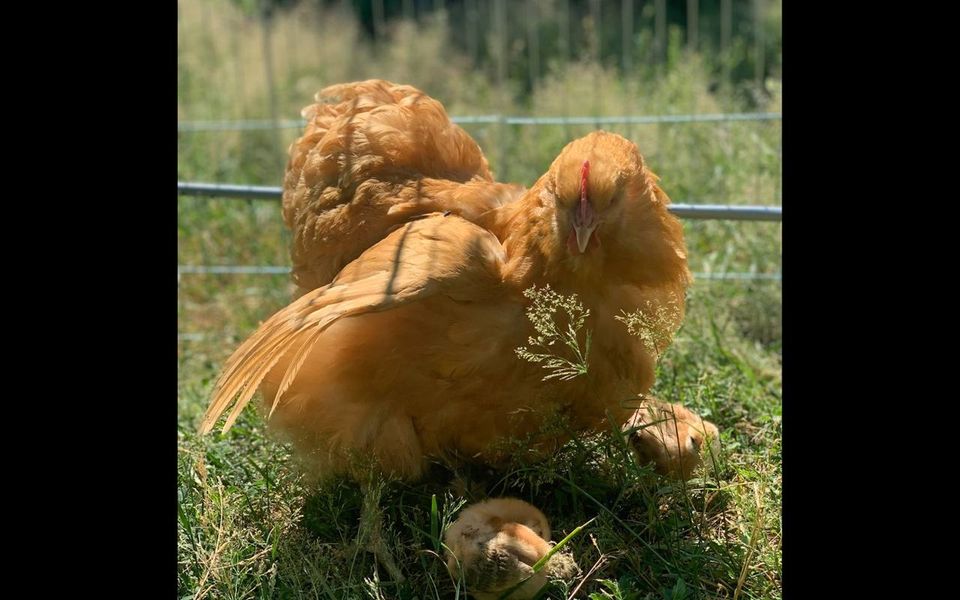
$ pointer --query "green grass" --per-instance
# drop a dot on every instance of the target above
(250, 527)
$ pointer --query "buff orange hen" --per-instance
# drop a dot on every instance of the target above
(412, 264)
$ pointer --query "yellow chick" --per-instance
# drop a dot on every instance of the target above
(670, 436)
(494, 544)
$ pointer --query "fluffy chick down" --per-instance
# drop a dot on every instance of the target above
(494, 544)
(671, 437)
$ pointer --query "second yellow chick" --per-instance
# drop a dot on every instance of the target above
(494, 544)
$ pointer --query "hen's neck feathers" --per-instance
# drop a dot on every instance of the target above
(645, 249)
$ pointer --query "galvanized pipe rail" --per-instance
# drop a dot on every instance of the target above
(285, 270)
(267, 124)
(727, 212)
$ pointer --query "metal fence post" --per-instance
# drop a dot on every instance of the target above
(693, 24)
(265, 28)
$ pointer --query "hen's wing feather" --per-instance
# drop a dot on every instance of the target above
(424, 258)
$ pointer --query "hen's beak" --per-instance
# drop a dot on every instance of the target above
(584, 221)
(584, 217)
(583, 232)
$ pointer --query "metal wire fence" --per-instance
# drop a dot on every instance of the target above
(249, 192)
(266, 124)
(690, 211)
(626, 33)
(285, 270)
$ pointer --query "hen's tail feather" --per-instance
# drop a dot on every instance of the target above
(254, 360)
(250, 382)
(238, 377)
(295, 329)
(364, 145)
(260, 349)
(294, 368)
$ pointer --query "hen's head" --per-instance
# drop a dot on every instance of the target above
(609, 209)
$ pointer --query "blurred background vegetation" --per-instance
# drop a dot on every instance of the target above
(265, 60)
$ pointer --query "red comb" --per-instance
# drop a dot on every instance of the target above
(584, 174)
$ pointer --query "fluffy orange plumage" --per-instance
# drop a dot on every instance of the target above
(373, 155)
(412, 263)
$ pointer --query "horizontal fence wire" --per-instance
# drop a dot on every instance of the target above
(282, 270)
(232, 270)
(728, 212)
(266, 124)
(229, 190)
